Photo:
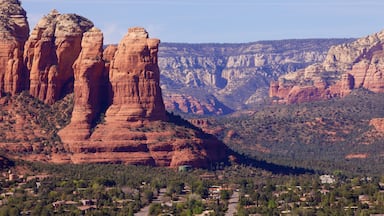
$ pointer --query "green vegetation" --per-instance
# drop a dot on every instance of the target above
(26, 120)
(307, 195)
(285, 139)
(106, 189)
(316, 135)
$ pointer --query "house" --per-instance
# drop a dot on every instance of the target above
(58, 204)
(88, 202)
(364, 199)
(185, 168)
(327, 179)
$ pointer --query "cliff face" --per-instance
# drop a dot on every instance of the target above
(236, 75)
(50, 52)
(117, 114)
(135, 76)
(349, 66)
(14, 31)
(135, 129)
(88, 87)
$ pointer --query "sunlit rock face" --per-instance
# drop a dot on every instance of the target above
(349, 66)
(51, 50)
(14, 31)
(89, 87)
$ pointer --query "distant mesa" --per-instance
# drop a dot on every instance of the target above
(118, 111)
(218, 79)
(359, 64)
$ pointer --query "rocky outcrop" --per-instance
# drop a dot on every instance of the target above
(135, 79)
(237, 75)
(14, 31)
(135, 129)
(205, 105)
(378, 124)
(108, 54)
(50, 52)
(349, 66)
(88, 87)
(117, 112)
(156, 143)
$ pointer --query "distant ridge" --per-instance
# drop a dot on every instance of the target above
(208, 78)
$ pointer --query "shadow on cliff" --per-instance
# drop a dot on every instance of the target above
(240, 159)
(5, 163)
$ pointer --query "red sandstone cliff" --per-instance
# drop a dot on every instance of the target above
(134, 76)
(64, 53)
(135, 129)
(88, 87)
(14, 31)
(349, 66)
(50, 52)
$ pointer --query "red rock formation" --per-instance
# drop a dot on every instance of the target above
(378, 124)
(50, 52)
(14, 31)
(135, 130)
(88, 72)
(108, 54)
(359, 64)
(368, 72)
(135, 77)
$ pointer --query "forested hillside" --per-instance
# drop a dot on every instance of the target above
(328, 135)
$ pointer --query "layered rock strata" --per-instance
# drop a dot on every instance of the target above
(237, 75)
(135, 129)
(208, 105)
(135, 79)
(14, 31)
(88, 87)
(50, 52)
(64, 54)
(348, 66)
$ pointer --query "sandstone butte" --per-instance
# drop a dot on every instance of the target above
(135, 128)
(64, 54)
(359, 64)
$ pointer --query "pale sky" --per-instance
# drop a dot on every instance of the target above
(222, 21)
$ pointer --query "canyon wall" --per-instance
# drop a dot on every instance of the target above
(354, 65)
(217, 79)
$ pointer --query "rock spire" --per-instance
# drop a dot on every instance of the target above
(14, 31)
(50, 52)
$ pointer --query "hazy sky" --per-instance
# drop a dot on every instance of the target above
(200, 21)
